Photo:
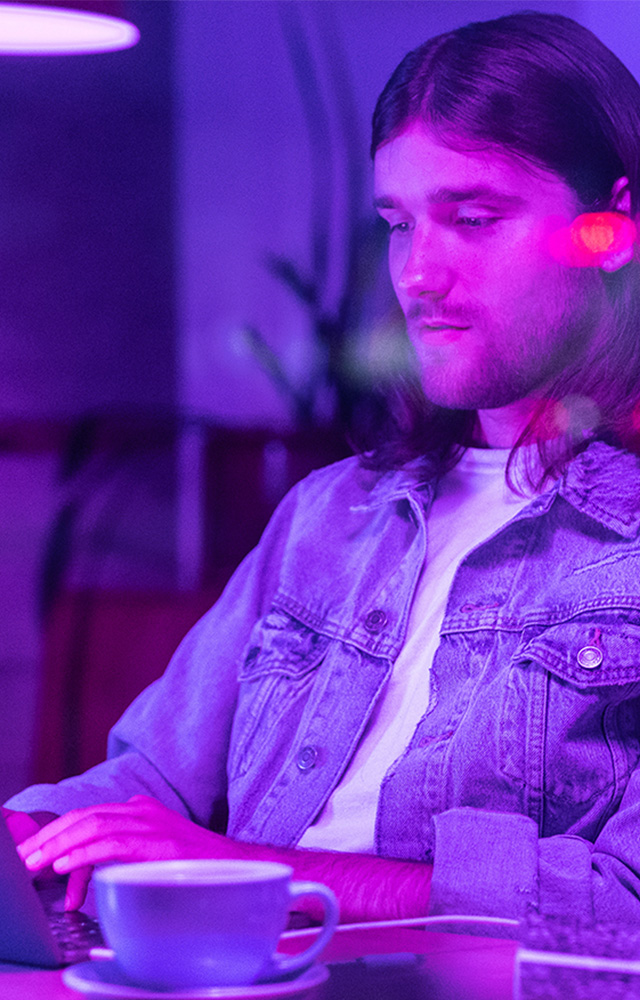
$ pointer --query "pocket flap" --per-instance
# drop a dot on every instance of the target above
(280, 644)
(587, 655)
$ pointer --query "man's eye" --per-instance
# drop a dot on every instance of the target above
(398, 227)
(475, 221)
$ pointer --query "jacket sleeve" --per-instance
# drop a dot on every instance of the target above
(172, 741)
(494, 864)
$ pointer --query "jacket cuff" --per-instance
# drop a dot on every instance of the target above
(484, 863)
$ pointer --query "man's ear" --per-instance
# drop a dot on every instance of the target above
(614, 261)
(604, 239)
(621, 196)
(620, 202)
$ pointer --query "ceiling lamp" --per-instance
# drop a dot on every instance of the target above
(58, 27)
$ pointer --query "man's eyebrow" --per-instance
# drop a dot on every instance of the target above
(479, 192)
(446, 195)
(385, 202)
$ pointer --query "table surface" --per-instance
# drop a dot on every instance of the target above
(454, 967)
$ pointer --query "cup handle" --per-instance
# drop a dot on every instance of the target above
(285, 964)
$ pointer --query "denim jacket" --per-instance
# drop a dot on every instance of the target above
(520, 783)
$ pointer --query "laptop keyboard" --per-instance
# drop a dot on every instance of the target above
(75, 933)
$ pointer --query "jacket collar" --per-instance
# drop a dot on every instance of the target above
(602, 482)
(399, 485)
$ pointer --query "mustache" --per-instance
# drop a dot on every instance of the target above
(427, 311)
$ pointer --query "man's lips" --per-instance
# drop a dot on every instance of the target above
(441, 331)
(436, 325)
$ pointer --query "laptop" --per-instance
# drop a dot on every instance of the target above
(34, 929)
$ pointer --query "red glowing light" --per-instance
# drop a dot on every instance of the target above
(599, 232)
(591, 238)
(597, 235)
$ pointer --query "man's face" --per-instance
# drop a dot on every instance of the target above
(491, 315)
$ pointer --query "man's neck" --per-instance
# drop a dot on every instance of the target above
(501, 427)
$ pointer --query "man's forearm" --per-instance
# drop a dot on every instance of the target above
(368, 887)
(142, 829)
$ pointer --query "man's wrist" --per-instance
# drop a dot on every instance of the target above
(367, 886)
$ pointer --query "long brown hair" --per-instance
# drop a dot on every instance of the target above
(546, 90)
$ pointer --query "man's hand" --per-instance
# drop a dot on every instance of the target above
(142, 829)
(22, 826)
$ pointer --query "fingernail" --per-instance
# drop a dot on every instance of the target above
(61, 864)
(33, 860)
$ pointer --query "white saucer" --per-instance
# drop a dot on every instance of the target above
(103, 978)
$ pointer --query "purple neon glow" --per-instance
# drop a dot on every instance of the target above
(33, 30)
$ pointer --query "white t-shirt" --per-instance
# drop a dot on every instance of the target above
(471, 503)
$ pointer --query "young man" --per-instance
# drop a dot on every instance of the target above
(422, 687)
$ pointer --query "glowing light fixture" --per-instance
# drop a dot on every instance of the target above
(64, 28)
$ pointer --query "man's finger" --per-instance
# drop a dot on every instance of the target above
(77, 888)
(42, 836)
(118, 845)
(21, 825)
(76, 827)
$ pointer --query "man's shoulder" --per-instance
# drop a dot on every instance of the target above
(348, 475)
(351, 483)
(604, 483)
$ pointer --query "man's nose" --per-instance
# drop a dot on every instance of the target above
(426, 272)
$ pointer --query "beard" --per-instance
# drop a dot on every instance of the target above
(485, 364)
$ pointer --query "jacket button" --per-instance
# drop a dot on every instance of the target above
(590, 657)
(375, 621)
(307, 758)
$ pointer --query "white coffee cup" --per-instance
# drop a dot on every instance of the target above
(188, 924)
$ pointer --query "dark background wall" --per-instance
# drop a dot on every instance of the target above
(141, 194)
(87, 326)
(87, 248)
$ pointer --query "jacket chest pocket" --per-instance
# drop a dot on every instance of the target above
(570, 720)
(275, 677)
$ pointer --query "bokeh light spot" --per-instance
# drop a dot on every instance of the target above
(574, 415)
(599, 232)
(597, 235)
(591, 237)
